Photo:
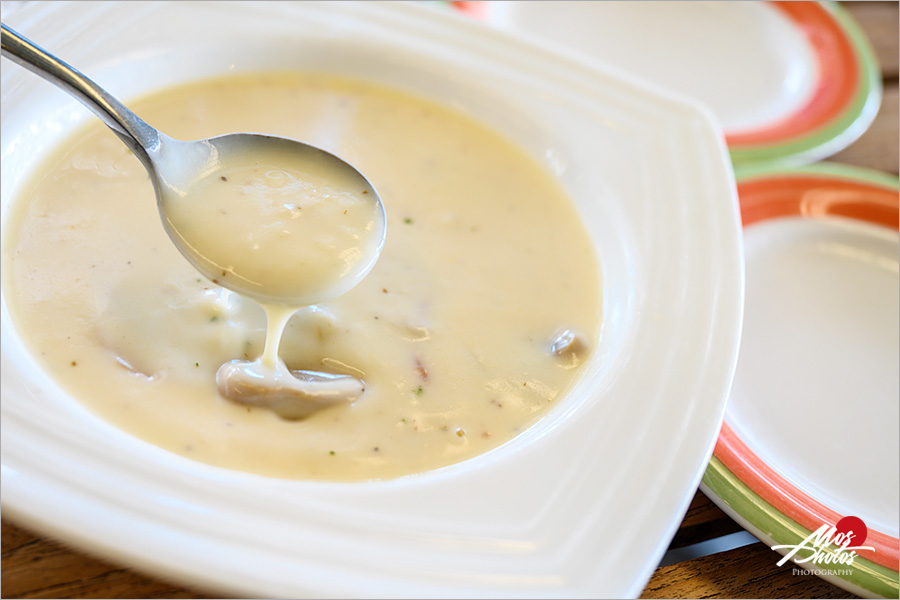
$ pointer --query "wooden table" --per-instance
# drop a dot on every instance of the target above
(36, 567)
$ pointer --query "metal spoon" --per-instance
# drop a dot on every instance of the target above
(174, 165)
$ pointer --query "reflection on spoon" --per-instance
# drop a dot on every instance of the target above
(274, 219)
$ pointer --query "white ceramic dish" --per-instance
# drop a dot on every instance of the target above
(582, 504)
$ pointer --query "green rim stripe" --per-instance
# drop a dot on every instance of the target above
(767, 519)
(831, 169)
(849, 126)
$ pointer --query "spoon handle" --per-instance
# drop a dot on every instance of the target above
(137, 134)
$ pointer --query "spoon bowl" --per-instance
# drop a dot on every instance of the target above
(278, 220)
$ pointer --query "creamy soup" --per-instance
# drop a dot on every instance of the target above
(278, 225)
(472, 324)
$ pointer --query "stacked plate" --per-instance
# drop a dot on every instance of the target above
(810, 435)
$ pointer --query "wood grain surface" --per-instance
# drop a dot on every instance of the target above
(34, 566)
(747, 572)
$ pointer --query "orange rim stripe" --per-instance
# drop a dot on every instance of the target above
(815, 196)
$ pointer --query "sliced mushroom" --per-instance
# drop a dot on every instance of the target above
(567, 343)
(290, 394)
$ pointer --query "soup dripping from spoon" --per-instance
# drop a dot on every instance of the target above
(270, 218)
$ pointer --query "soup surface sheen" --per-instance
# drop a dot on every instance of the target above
(281, 227)
(462, 332)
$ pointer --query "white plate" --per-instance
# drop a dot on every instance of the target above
(811, 430)
(821, 341)
(789, 81)
(582, 504)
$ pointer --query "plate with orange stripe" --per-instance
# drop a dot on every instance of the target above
(789, 81)
(807, 457)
